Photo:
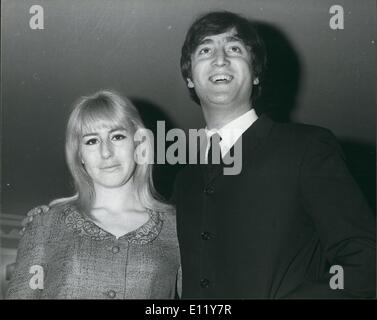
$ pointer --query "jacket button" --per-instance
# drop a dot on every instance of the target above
(115, 249)
(209, 191)
(206, 235)
(111, 294)
(204, 283)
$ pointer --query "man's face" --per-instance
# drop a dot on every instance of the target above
(221, 73)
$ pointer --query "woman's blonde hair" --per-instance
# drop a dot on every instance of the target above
(108, 107)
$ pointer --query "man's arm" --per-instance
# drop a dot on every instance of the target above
(40, 210)
(28, 276)
(344, 222)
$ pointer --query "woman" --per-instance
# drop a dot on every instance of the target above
(114, 238)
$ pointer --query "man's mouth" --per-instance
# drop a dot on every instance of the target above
(221, 78)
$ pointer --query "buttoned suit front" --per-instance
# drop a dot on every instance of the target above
(275, 229)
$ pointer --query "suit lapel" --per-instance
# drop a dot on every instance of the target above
(251, 138)
(254, 135)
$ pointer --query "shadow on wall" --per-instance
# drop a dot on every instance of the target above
(163, 174)
(282, 76)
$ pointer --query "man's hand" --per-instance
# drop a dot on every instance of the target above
(31, 214)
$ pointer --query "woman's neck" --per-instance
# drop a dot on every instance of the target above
(118, 210)
(123, 198)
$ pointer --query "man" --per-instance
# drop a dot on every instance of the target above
(276, 229)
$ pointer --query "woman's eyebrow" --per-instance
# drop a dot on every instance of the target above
(90, 134)
(111, 131)
(119, 129)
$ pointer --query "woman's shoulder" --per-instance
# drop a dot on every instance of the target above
(169, 224)
(46, 218)
(168, 215)
(168, 234)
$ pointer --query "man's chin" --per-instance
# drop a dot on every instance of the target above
(222, 99)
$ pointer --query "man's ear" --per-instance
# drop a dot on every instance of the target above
(190, 84)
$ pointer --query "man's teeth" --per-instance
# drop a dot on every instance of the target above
(221, 77)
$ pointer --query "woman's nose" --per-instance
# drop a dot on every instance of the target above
(106, 149)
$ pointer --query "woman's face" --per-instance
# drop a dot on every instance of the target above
(107, 153)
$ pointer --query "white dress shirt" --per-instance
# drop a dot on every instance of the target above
(231, 132)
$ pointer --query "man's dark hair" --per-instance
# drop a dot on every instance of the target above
(214, 23)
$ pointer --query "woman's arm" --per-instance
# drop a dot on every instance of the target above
(179, 282)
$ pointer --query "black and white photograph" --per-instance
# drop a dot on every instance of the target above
(188, 150)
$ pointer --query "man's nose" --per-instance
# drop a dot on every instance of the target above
(220, 58)
(106, 149)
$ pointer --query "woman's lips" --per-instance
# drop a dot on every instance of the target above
(110, 168)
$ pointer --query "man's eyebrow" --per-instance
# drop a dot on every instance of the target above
(233, 38)
(205, 41)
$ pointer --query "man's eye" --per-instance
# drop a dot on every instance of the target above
(118, 137)
(235, 49)
(91, 142)
(204, 51)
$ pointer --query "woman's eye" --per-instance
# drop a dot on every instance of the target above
(91, 142)
(118, 137)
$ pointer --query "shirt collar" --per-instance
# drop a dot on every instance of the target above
(231, 132)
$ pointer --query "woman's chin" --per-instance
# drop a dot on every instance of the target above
(111, 183)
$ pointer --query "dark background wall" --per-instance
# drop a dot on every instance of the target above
(316, 75)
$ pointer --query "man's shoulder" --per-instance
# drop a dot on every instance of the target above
(290, 139)
(300, 130)
(298, 133)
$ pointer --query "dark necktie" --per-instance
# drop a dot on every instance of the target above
(214, 152)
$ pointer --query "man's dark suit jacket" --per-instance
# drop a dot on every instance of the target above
(274, 230)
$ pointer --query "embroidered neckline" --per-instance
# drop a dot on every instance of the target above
(146, 233)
